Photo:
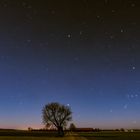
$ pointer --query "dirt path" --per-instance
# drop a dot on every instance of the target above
(74, 136)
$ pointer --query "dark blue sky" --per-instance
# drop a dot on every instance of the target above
(80, 53)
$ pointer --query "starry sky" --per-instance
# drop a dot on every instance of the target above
(81, 53)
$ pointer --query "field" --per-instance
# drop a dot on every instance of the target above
(26, 135)
(111, 135)
(31, 135)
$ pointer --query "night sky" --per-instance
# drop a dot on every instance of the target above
(81, 53)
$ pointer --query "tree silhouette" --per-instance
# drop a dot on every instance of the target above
(58, 115)
(72, 127)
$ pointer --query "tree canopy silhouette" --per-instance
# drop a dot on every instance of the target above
(72, 127)
(58, 115)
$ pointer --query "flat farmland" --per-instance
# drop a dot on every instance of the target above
(25, 135)
(32, 135)
(32, 138)
(111, 135)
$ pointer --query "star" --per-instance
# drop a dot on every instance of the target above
(106, 1)
(133, 5)
(113, 11)
(69, 35)
(76, 58)
(5, 5)
(2, 57)
(98, 16)
(136, 95)
(133, 68)
(125, 106)
(81, 32)
(20, 103)
(128, 96)
(53, 12)
(24, 4)
(122, 30)
(132, 96)
(28, 40)
(112, 36)
(47, 69)
(68, 104)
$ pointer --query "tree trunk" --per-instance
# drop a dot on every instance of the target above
(60, 131)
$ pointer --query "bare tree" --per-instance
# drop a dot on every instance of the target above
(58, 115)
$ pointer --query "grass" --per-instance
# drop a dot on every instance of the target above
(39, 135)
(25, 138)
(34, 138)
(30, 135)
(111, 135)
